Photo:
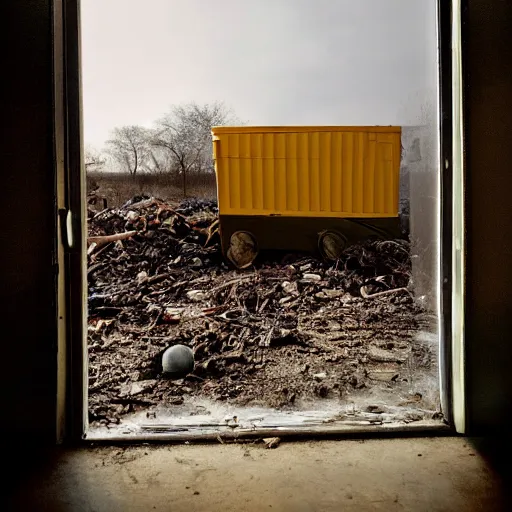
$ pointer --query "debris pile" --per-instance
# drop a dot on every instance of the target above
(289, 329)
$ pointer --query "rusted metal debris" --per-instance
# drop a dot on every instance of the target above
(260, 336)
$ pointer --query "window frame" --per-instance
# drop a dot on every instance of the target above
(69, 138)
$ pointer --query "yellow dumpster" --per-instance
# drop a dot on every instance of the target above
(305, 188)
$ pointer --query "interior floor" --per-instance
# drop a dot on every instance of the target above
(417, 474)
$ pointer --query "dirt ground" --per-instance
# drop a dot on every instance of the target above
(290, 329)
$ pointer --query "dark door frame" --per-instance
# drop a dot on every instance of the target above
(77, 359)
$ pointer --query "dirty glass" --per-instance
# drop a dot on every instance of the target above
(290, 324)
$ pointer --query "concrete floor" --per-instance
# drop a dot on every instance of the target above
(413, 474)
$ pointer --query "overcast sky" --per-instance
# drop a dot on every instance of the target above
(275, 62)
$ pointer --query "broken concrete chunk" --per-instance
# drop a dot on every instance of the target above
(386, 356)
(329, 294)
(196, 295)
(135, 388)
(142, 277)
(312, 277)
(290, 288)
(383, 375)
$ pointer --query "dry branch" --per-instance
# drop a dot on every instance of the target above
(105, 239)
(381, 294)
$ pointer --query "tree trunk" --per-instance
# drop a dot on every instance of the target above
(184, 183)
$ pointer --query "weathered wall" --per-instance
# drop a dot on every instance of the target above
(488, 116)
(27, 282)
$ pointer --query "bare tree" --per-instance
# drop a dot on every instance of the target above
(185, 133)
(130, 147)
(159, 160)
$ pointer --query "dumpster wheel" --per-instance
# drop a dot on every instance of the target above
(243, 249)
(331, 244)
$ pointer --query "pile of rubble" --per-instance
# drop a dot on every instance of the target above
(289, 329)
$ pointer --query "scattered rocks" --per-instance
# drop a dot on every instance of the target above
(197, 295)
(283, 330)
(135, 388)
(386, 356)
(312, 277)
(383, 375)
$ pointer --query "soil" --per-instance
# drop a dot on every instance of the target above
(291, 328)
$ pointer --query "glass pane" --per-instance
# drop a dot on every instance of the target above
(316, 304)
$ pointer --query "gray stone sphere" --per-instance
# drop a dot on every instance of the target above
(178, 361)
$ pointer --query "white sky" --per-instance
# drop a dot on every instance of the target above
(273, 61)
